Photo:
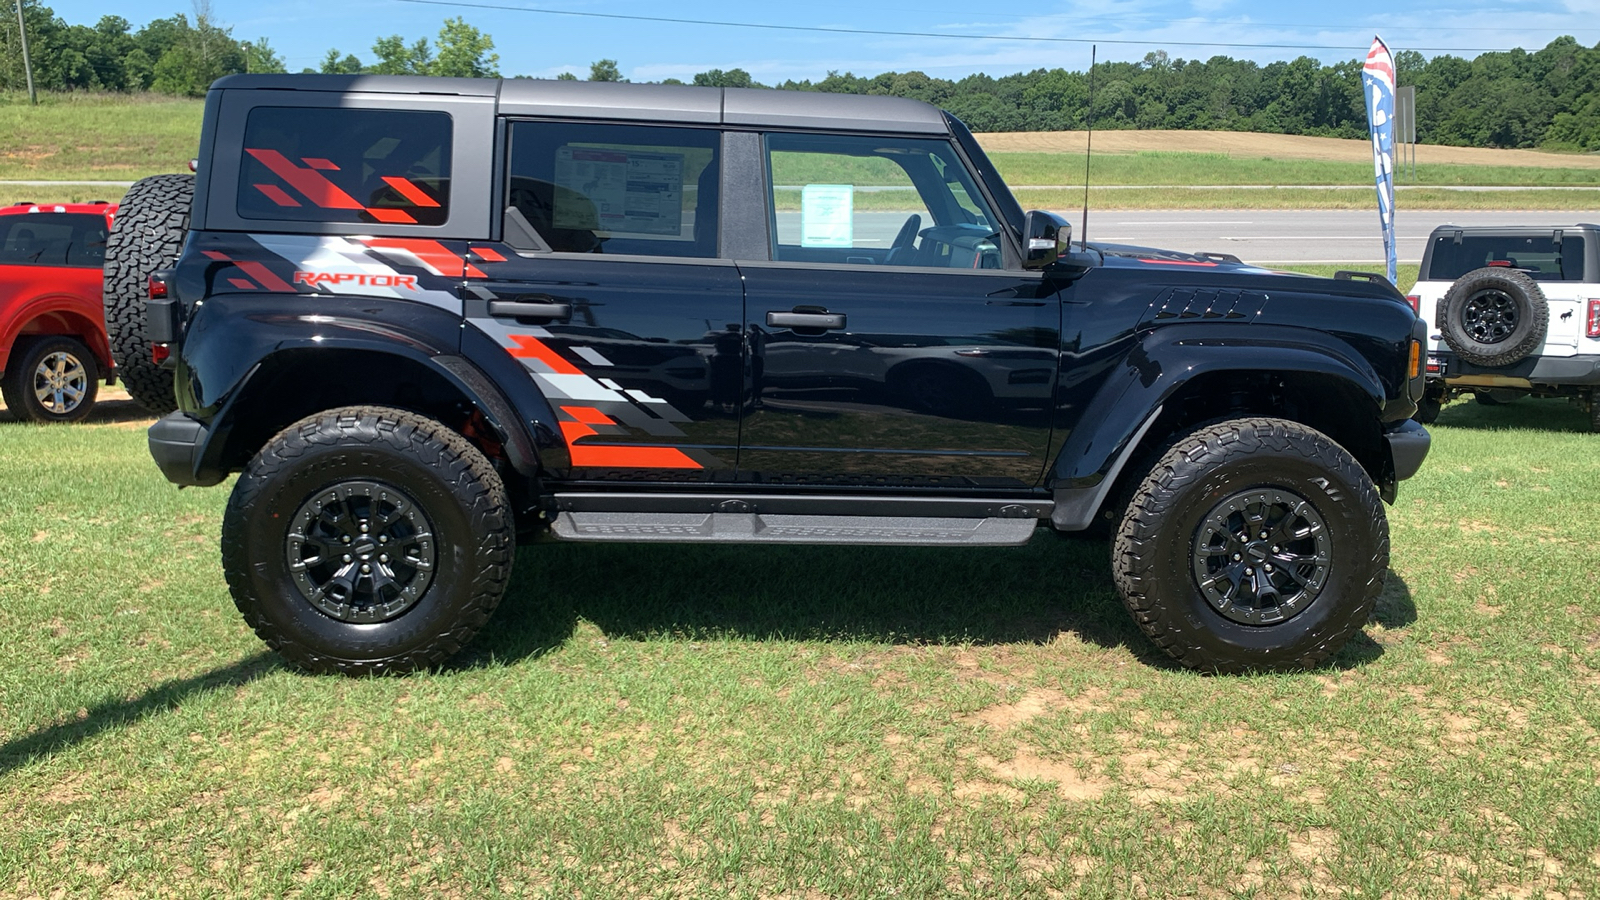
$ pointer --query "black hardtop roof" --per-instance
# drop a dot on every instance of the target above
(1513, 229)
(682, 104)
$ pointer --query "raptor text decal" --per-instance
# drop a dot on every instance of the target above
(336, 279)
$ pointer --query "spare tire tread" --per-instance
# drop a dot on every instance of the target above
(147, 234)
(1527, 337)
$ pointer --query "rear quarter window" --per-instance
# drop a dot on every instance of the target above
(1538, 256)
(52, 239)
(346, 165)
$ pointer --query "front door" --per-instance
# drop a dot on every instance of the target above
(615, 301)
(890, 343)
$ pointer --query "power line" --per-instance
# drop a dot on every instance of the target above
(874, 32)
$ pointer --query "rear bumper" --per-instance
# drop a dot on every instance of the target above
(1580, 371)
(176, 442)
(1408, 447)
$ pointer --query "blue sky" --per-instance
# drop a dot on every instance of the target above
(545, 45)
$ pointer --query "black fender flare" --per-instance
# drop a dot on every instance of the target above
(264, 339)
(1159, 366)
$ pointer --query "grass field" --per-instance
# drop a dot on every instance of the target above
(109, 138)
(804, 722)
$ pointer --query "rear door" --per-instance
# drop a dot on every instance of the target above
(609, 288)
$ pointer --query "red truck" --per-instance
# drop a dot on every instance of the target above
(53, 347)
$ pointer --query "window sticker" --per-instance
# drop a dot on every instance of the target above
(626, 191)
(826, 215)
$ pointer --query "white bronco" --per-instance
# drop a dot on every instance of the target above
(1511, 311)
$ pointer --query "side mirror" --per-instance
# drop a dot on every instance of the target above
(1046, 237)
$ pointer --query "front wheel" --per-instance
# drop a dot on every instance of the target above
(367, 540)
(1252, 544)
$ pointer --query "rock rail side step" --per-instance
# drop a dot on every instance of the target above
(758, 528)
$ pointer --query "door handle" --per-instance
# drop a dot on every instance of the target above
(824, 320)
(522, 309)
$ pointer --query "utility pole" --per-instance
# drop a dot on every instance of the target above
(27, 65)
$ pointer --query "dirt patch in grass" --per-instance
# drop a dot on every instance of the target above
(1071, 784)
(1273, 146)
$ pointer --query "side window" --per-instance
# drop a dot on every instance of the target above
(616, 189)
(52, 239)
(876, 201)
(346, 165)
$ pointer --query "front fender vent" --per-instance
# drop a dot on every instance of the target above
(1183, 303)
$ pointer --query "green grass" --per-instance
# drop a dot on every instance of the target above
(1293, 198)
(1405, 272)
(1154, 168)
(96, 137)
(734, 721)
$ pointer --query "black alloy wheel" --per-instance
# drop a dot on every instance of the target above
(1489, 317)
(361, 551)
(1261, 556)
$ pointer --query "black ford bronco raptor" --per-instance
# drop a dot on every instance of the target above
(425, 319)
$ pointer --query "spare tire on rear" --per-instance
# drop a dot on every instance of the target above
(1494, 316)
(146, 235)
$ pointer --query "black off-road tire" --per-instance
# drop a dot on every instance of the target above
(26, 375)
(146, 235)
(1154, 553)
(457, 502)
(1594, 412)
(1493, 316)
(1428, 409)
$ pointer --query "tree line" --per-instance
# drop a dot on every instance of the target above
(1548, 98)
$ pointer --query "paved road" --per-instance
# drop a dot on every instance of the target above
(1253, 235)
(1295, 236)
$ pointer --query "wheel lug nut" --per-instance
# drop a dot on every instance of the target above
(347, 557)
(1275, 548)
(1249, 571)
(364, 528)
(1237, 557)
(365, 568)
(383, 539)
(346, 539)
(1263, 534)
(383, 557)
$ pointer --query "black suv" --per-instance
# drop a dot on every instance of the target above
(426, 318)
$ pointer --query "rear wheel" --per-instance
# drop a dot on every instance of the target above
(1252, 544)
(367, 540)
(51, 379)
(147, 234)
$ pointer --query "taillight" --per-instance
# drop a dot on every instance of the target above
(159, 353)
(158, 288)
(1416, 303)
(1594, 319)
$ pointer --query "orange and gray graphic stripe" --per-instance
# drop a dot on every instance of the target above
(597, 407)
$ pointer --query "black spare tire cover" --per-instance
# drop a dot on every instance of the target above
(1494, 316)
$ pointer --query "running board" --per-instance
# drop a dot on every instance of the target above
(767, 528)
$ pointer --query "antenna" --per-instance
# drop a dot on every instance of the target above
(1088, 149)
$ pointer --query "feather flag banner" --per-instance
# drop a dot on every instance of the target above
(1377, 82)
